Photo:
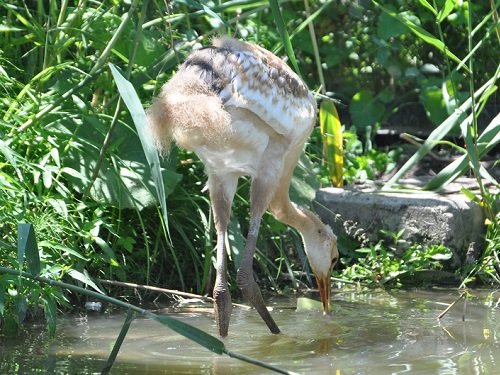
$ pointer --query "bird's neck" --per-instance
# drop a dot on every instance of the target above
(300, 218)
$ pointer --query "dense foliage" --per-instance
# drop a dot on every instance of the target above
(71, 162)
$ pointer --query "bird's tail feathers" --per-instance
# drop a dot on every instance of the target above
(187, 120)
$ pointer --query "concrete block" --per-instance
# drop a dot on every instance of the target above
(360, 213)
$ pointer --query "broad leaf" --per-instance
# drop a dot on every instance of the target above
(331, 133)
(77, 275)
(134, 105)
(365, 109)
(27, 246)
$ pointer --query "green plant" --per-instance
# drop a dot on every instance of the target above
(71, 163)
(28, 250)
(486, 269)
(381, 263)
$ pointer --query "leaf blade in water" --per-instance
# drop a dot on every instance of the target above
(202, 338)
(118, 343)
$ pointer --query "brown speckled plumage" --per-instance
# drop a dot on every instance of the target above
(243, 111)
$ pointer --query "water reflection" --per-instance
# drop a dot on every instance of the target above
(372, 333)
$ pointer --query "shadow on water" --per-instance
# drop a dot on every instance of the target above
(373, 332)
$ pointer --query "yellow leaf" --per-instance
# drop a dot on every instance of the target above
(331, 134)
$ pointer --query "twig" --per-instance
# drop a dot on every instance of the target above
(154, 288)
(192, 333)
(451, 305)
(162, 290)
(411, 139)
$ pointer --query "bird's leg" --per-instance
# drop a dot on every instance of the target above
(221, 196)
(222, 298)
(245, 280)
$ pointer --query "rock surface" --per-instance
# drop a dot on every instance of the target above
(359, 214)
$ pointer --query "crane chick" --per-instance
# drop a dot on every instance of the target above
(244, 112)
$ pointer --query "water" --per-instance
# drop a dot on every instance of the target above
(375, 332)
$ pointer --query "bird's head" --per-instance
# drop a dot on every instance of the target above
(322, 252)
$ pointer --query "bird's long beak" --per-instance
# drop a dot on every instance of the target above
(324, 292)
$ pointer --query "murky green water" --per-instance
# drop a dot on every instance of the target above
(371, 333)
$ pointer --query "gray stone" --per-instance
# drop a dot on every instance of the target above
(360, 213)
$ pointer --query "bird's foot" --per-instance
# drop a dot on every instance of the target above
(252, 294)
(222, 308)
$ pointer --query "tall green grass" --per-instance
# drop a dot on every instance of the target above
(28, 249)
(72, 163)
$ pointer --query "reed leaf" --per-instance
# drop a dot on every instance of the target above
(310, 19)
(200, 337)
(118, 343)
(285, 38)
(488, 139)
(437, 134)
(136, 109)
(50, 311)
(445, 11)
(79, 276)
(331, 134)
(27, 246)
(421, 33)
(428, 6)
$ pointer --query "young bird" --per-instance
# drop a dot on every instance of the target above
(244, 112)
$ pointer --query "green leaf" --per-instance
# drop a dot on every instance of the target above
(423, 34)
(21, 307)
(204, 339)
(365, 109)
(488, 139)
(118, 343)
(136, 109)
(50, 311)
(436, 135)
(448, 6)
(213, 15)
(77, 275)
(2, 299)
(304, 182)
(388, 27)
(62, 248)
(428, 6)
(105, 248)
(432, 99)
(331, 133)
(278, 18)
(11, 157)
(27, 246)
(470, 195)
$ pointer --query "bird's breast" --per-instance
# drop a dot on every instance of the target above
(241, 151)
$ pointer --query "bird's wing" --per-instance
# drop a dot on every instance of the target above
(247, 76)
(265, 85)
